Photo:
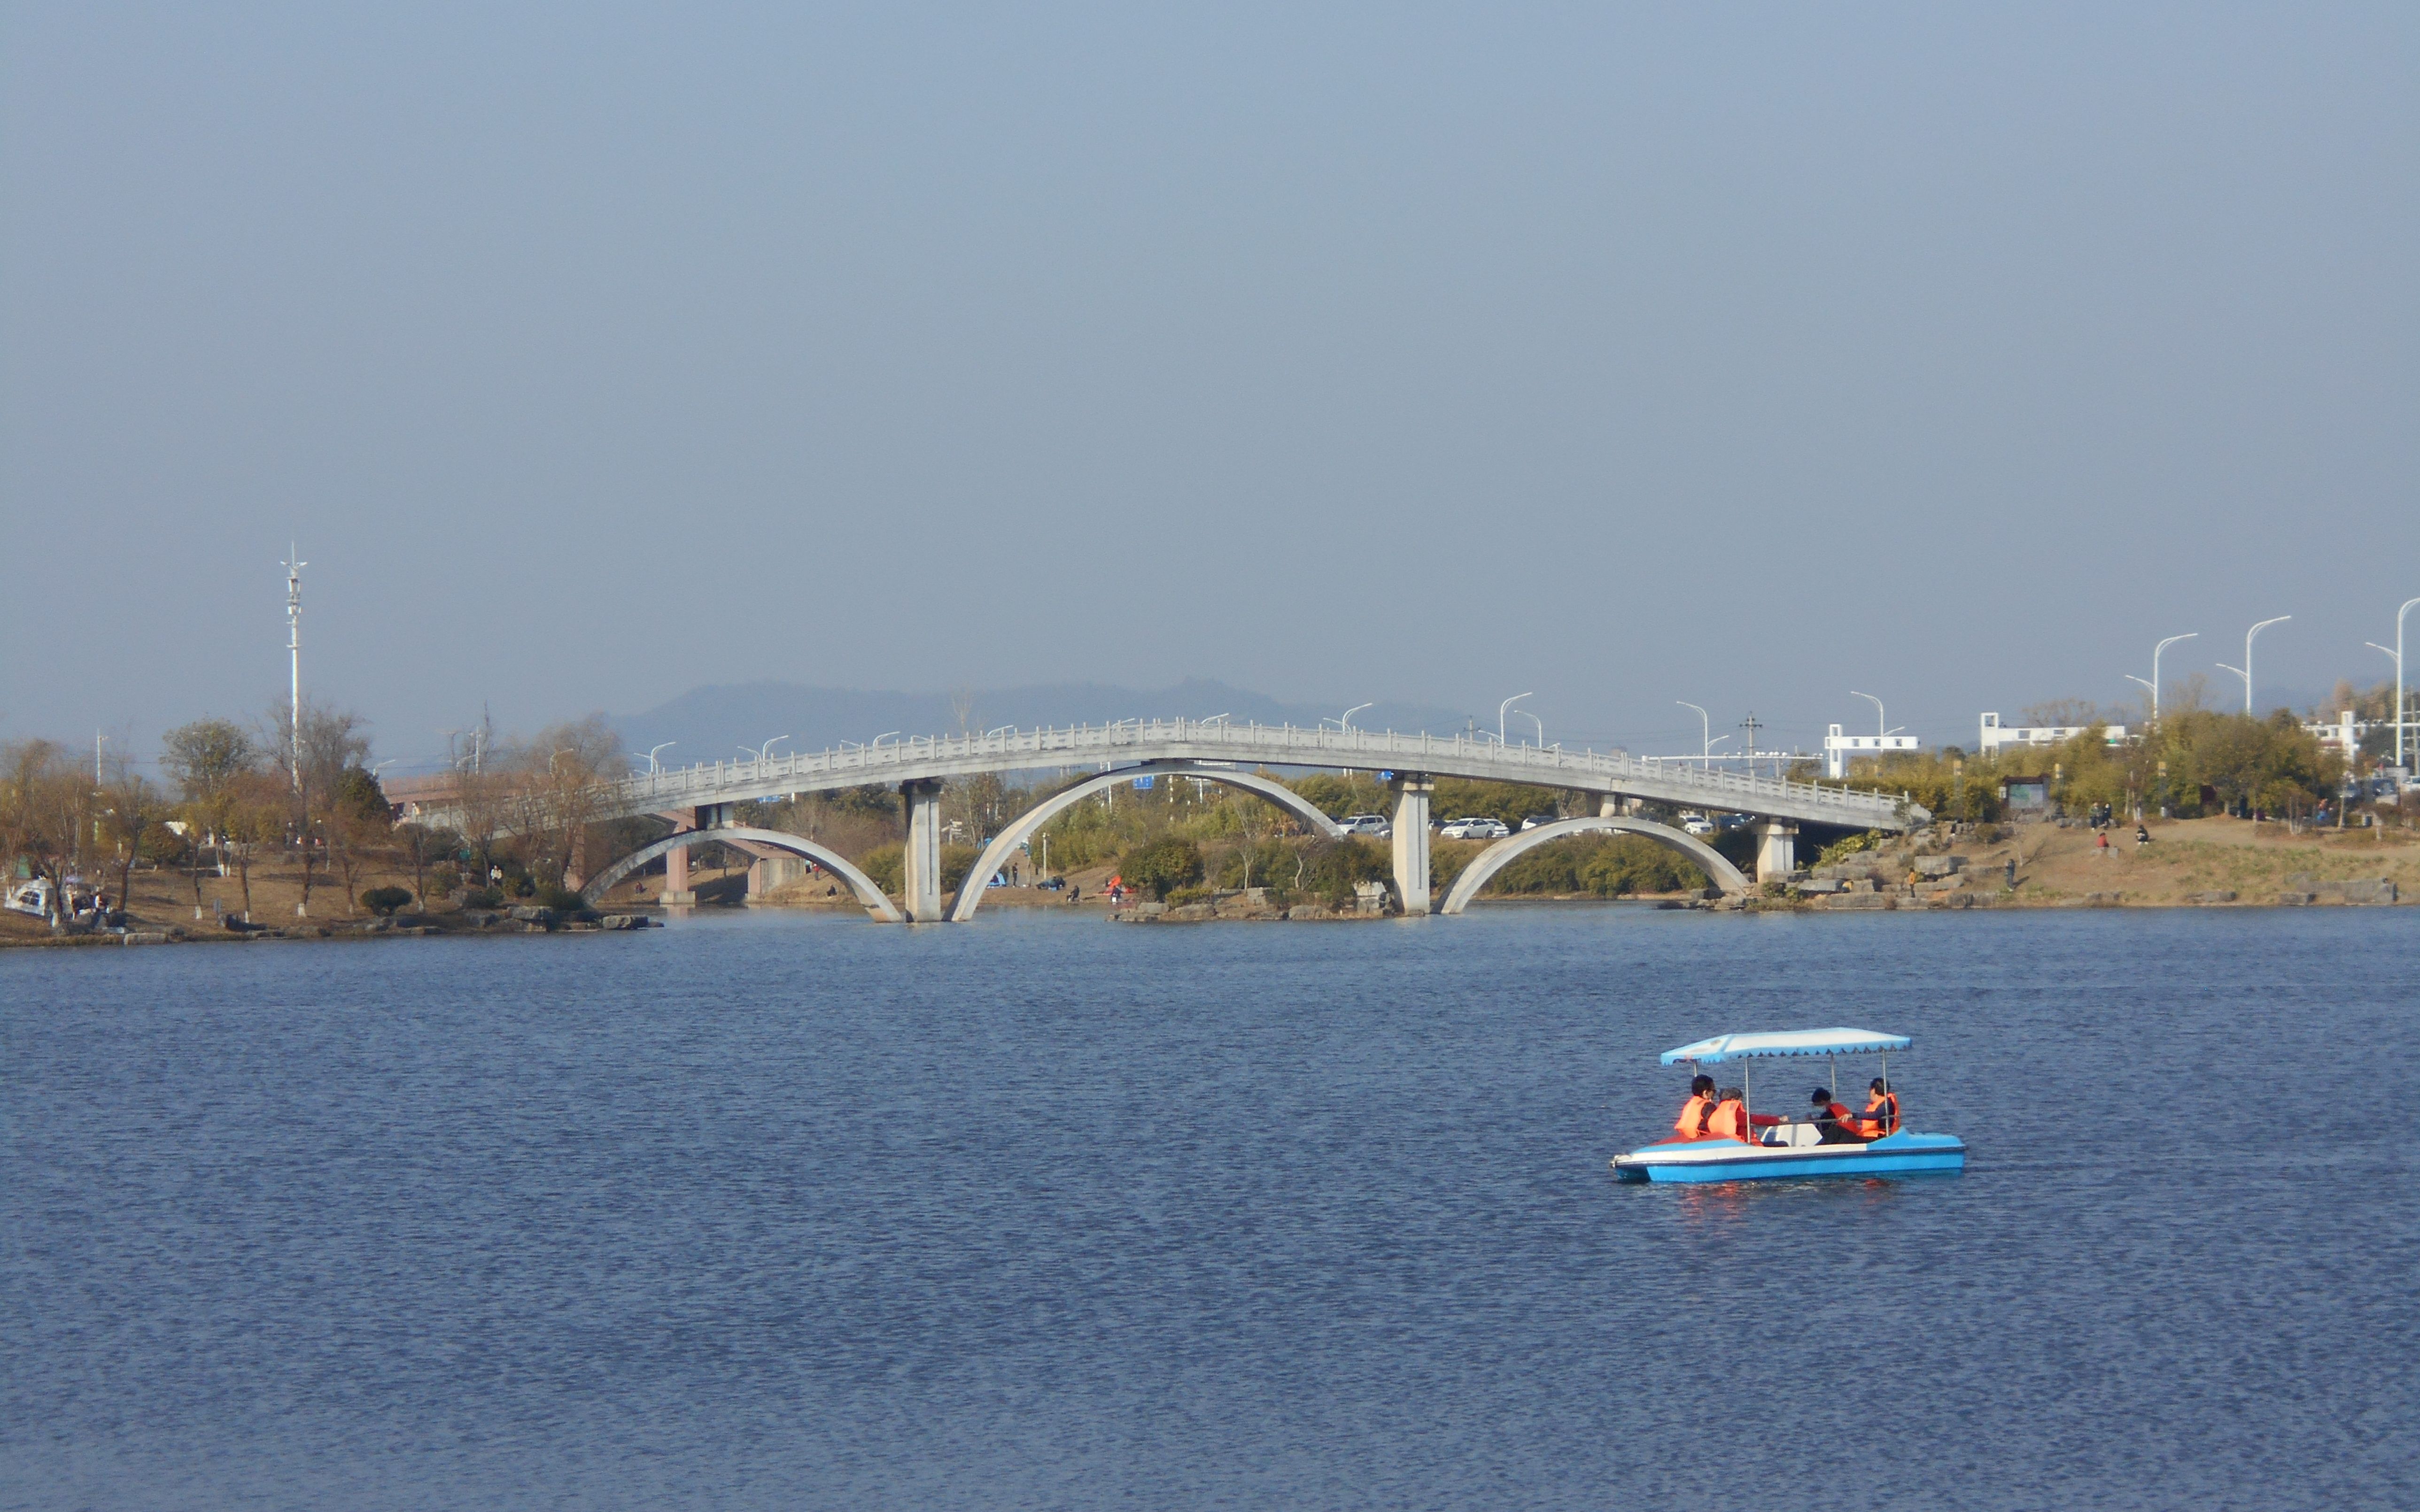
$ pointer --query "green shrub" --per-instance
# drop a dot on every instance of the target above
(1337, 796)
(1181, 896)
(1508, 803)
(956, 861)
(1163, 865)
(886, 864)
(1606, 866)
(384, 902)
(482, 897)
(442, 882)
(561, 899)
(1268, 864)
(1842, 850)
(1329, 868)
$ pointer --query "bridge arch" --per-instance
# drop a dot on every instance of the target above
(1497, 856)
(996, 854)
(877, 903)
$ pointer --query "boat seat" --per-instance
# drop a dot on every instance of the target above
(1792, 1135)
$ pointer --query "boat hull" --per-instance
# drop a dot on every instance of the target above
(1726, 1160)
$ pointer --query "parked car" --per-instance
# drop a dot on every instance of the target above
(1537, 819)
(1373, 825)
(1695, 823)
(1474, 830)
(1733, 821)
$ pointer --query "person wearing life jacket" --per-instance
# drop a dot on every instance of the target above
(1881, 1115)
(1832, 1119)
(1731, 1121)
(1691, 1125)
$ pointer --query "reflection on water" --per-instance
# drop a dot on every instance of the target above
(804, 1212)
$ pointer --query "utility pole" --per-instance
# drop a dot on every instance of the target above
(1751, 726)
(294, 565)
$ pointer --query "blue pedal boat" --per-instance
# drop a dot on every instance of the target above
(1789, 1150)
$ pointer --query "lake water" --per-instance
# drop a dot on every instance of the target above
(770, 1211)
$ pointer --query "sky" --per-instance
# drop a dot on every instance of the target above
(1746, 355)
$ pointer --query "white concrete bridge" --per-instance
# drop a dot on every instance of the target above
(698, 799)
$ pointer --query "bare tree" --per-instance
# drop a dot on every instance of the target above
(551, 789)
(422, 845)
(328, 744)
(207, 760)
(2062, 712)
(44, 798)
(256, 817)
(131, 813)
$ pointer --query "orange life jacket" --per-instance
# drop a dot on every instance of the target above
(1729, 1123)
(1693, 1113)
(1880, 1116)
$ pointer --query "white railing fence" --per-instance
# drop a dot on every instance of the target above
(1280, 745)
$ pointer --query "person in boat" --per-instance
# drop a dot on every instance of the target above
(1731, 1121)
(1832, 1119)
(1881, 1115)
(1691, 1125)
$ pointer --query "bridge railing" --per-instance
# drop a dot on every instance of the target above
(1280, 745)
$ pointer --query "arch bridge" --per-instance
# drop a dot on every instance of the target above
(699, 799)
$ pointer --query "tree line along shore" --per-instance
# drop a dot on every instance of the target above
(280, 824)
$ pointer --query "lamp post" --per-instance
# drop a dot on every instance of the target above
(2399, 702)
(1542, 727)
(2399, 677)
(2154, 684)
(1344, 722)
(2245, 672)
(1500, 711)
(1706, 735)
(1881, 721)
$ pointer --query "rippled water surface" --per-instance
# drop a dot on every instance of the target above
(805, 1212)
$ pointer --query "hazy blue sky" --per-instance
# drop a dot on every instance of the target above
(1745, 355)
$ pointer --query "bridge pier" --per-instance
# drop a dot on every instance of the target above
(676, 889)
(1411, 826)
(1776, 849)
(921, 884)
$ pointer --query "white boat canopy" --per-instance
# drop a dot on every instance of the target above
(1765, 1043)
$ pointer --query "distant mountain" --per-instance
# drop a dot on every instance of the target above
(713, 723)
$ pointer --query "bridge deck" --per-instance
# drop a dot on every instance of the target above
(1176, 740)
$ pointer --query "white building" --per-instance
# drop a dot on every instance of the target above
(1997, 734)
(1839, 748)
(2344, 735)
